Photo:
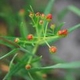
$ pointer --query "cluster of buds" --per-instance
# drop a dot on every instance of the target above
(42, 16)
(63, 32)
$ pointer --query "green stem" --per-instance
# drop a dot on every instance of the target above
(33, 52)
(30, 76)
(45, 29)
(35, 26)
(47, 43)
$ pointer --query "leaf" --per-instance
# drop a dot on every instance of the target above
(49, 6)
(23, 28)
(73, 28)
(62, 14)
(8, 43)
(74, 9)
(9, 53)
(10, 65)
(36, 59)
(18, 66)
(71, 65)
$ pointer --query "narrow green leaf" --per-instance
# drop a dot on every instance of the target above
(23, 28)
(9, 53)
(71, 65)
(73, 28)
(62, 14)
(11, 63)
(74, 9)
(36, 59)
(49, 7)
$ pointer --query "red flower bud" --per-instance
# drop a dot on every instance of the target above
(60, 32)
(52, 49)
(65, 32)
(49, 17)
(30, 37)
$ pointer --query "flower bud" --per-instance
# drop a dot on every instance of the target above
(28, 66)
(42, 16)
(41, 22)
(31, 15)
(37, 14)
(52, 49)
(52, 26)
(49, 17)
(63, 32)
(16, 40)
(30, 37)
(22, 12)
